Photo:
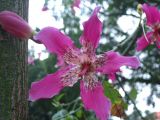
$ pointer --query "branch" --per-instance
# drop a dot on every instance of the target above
(153, 82)
(139, 113)
(132, 40)
(70, 103)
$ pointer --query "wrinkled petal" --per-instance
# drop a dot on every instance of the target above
(92, 30)
(94, 99)
(152, 14)
(71, 76)
(48, 87)
(142, 43)
(72, 56)
(114, 61)
(55, 41)
(15, 25)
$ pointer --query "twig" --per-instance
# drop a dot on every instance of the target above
(132, 37)
(112, 14)
(139, 80)
(131, 100)
(70, 113)
(70, 103)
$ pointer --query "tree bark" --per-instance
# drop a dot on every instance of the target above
(13, 67)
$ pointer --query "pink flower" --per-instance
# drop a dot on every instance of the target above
(14, 24)
(153, 21)
(80, 64)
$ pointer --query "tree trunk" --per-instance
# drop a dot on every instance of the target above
(13, 68)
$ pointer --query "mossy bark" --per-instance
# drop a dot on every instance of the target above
(13, 67)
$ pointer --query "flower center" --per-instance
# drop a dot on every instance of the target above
(86, 67)
(83, 66)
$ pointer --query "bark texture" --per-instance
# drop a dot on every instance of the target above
(13, 67)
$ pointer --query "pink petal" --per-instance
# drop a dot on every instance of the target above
(71, 76)
(152, 14)
(76, 3)
(60, 61)
(54, 40)
(92, 30)
(48, 87)
(15, 25)
(114, 61)
(142, 43)
(94, 99)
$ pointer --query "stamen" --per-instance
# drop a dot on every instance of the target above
(144, 32)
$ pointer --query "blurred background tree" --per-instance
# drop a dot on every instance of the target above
(67, 105)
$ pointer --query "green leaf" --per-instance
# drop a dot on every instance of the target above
(79, 113)
(55, 103)
(59, 97)
(133, 94)
(56, 100)
(112, 93)
(69, 117)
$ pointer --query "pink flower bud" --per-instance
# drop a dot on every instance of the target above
(15, 25)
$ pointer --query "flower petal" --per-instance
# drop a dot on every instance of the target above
(92, 30)
(114, 61)
(15, 25)
(48, 87)
(152, 14)
(76, 3)
(142, 43)
(94, 99)
(60, 61)
(55, 41)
